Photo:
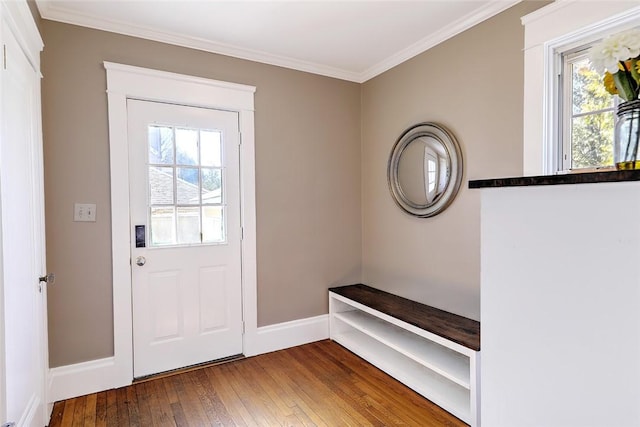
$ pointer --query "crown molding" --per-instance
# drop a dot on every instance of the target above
(53, 11)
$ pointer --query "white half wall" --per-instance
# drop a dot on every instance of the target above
(561, 306)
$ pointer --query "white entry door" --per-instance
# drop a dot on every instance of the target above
(22, 236)
(185, 235)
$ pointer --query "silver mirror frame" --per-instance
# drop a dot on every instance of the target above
(449, 142)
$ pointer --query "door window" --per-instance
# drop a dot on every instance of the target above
(186, 186)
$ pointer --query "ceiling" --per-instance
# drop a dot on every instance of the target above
(352, 40)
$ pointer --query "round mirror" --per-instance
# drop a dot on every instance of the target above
(425, 170)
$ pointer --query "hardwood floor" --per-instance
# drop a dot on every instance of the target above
(318, 384)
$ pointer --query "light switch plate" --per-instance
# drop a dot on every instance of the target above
(84, 212)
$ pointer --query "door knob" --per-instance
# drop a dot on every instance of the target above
(141, 261)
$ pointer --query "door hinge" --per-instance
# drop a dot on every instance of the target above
(4, 56)
(239, 138)
(243, 329)
(241, 233)
(49, 279)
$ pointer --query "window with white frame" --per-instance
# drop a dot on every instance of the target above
(587, 114)
(558, 79)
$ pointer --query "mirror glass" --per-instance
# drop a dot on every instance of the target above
(425, 169)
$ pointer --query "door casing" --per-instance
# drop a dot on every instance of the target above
(129, 82)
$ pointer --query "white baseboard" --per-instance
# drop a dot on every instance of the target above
(83, 378)
(288, 334)
(93, 376)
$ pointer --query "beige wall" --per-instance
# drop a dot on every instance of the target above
(472, 84)
(325, 215)
(307, 172)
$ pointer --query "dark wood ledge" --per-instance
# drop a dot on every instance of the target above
(455, 328)
(570, 178)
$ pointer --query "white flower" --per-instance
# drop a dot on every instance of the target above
(606, 55)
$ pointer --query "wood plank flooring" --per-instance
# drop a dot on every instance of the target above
(318, 384)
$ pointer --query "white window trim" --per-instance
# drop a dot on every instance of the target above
(548, 32)
(124, 81)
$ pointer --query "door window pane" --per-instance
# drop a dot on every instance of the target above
(160, 145)
(187, 186)
(186, 147)
(210, 148)
(162, 226)
(213, 224)
(211, 186)
(160, 185)
(189, 225)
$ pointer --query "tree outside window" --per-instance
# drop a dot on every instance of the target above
(589, 131)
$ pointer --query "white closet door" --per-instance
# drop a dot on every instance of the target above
(23, 344)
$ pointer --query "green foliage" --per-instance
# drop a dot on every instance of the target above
(592, 134)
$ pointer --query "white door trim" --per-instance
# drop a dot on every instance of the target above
(124, 81)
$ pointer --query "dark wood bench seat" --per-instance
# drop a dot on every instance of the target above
(453, 327)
